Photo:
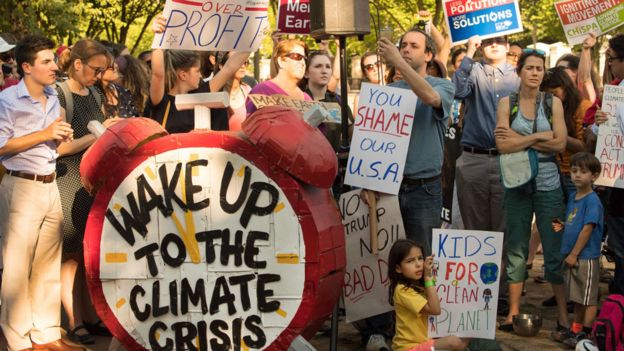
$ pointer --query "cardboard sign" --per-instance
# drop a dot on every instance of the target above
(580, 17)
(452, 151)
(381, 135)
(486, 18)
(303, 106)
(365, 289)
(610, 143)
(467, 269)
(293, 17)
(210, 25)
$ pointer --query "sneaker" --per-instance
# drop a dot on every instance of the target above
(572, 341)
(377, 342)
(561, 333)
(539, 279)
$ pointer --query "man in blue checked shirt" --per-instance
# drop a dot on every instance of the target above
(32, 126)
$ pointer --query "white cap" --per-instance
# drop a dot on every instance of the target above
(4, 46)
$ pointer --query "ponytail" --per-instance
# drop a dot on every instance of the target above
(178, 60)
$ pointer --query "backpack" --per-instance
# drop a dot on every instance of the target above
(69, 99)
(608, 328)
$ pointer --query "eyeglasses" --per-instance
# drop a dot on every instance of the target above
(246, 63)
(110, 68)
(98, 70)
(512, 54)
(498, 41)
(610, 59)
(296, 56)
(534, 51)
(369, 67)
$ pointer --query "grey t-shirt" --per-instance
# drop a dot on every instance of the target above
(548, 174)
(426, 146)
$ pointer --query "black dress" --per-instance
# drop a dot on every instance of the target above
(75, 200)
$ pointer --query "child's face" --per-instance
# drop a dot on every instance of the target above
(412, 266)
(582, 177)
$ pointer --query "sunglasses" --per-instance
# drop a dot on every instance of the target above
(370, 66)
(534, 51)
(295, 56)
(498, 41)
(97, 70)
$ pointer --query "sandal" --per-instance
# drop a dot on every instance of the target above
(84, 339)
(98, 328)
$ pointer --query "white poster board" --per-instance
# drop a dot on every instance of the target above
(223, 26)
(366, 281)
(381, 135)
(467, 267)
(610, 143)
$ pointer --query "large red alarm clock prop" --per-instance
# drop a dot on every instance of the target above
(213, 240)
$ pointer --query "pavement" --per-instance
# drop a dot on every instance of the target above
(349, 338)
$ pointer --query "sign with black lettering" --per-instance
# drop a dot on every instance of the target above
(197, 242)
(365, 289)
(214, 25)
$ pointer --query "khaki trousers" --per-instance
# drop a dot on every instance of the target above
(31, 221)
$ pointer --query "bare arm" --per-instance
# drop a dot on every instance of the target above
(507, 140)
(558, 142)
(157, 86)
(443, 44)
(335, 78)
(415, 80)
(76, 146)
(228, 71)
(584, 81)
(433, 302)
(581, 241)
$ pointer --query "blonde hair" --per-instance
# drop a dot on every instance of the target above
(83, 50)
(283, 48)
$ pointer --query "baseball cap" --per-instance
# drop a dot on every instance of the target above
(4, 46)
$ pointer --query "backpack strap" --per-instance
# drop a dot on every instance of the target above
(96, 93)
(513, 107)
(69, 100)
(547, 102)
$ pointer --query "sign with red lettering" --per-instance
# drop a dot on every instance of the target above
(365, 289)
(381, 135)
(293, 17)
(466, 267)
(580, 17)
(221, 25)
(610, 143)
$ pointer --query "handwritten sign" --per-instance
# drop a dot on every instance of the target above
(486, 18)
(302, 106)
(580, 17)
(610, 143)
(467, 268)
(200, 249)
(366, 281)
(382, 129)
(293, 17)
(214, 25)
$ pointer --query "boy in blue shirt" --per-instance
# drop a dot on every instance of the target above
(582, 234)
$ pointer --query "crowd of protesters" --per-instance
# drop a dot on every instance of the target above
(503, 97)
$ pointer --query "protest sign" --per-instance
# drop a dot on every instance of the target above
(381, 135)
(199, 241)
(610, 143)
(486, 18)
(452, 151)
(580, 17)
(293, 17)
(210, 25)
(466, 267)
(331, 110)
(366, 281)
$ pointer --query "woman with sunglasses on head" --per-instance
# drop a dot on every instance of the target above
(84, 63)
(289, 57)
(558, 82)
(177, 72)
(238, 91)
(520, 127)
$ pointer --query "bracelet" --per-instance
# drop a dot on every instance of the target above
(429, 283)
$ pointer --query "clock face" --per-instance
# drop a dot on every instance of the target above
(196, 248)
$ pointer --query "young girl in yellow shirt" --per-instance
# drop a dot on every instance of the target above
(413, 294)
